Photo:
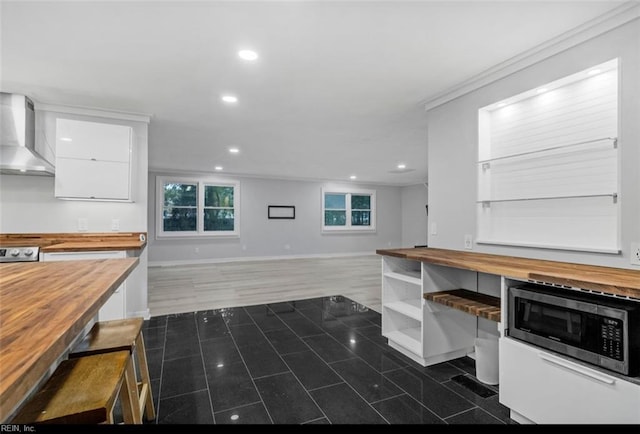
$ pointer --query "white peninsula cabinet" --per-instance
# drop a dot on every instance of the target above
(115, 307)
(435, 302)
(93, 161)
(424, 331)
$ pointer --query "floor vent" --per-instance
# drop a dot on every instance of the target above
(470, 383)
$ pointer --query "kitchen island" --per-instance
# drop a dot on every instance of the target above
(44, 309)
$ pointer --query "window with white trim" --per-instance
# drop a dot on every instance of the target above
(548, 165)
(348, 210)
(197, 207)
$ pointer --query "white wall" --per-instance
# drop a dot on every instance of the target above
(453, 138)
(28, 204)
(262, 237)
(414, 215)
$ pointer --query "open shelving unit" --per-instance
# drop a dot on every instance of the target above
(402, 304)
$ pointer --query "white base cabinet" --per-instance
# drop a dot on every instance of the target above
(549, 389)
(426, 332)
(115, 307)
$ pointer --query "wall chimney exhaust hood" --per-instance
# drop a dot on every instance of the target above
(18, 155)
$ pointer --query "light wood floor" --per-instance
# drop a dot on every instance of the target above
(189, 288)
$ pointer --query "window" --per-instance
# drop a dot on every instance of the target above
(348, 210)
(197, 207)
(548, 165)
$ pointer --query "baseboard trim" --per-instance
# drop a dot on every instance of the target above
(146, 314)
(255, 258)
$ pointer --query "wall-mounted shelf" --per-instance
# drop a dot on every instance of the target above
(581, 196)
(485, 163)
(474, 303)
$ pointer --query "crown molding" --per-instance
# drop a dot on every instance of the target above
(88, 111)
(614, 18)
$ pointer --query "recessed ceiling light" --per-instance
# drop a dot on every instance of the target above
(402, 166)
(218, 168)
(352, 177)
(65, 139)
(23, 170)
(234, 417)
(229, 99)
(220, 365)
(234, 150)
(248, 54)
(594, 71)
(542, 90)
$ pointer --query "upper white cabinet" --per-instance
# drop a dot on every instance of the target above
(93, 160)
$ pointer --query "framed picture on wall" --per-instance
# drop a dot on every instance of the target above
(282, 212)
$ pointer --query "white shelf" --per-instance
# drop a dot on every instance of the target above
(411, 308)
(408, 338)
(413, 277)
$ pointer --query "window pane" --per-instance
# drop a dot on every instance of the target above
(361, 218)
(218, 220)
(180, 195)
(335, 201)
(360, 202)
(335, 218)
(179, 219)
(218, 196)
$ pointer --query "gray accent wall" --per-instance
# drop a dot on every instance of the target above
(414, 215)
(453, 137)
(261, 237)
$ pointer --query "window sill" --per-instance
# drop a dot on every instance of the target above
(194, 236)
(347, 231)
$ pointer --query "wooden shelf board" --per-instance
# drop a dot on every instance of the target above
(482, 305)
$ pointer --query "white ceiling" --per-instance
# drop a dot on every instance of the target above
(337, 90)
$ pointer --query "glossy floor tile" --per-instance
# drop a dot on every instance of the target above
(312, 361)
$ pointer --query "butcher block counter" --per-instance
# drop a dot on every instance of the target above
(44, 307)
(77, 242)
(608, 280)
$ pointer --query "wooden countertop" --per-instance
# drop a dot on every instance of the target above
(44, 306)
(85, 246)
(77, 242)
(619, 281)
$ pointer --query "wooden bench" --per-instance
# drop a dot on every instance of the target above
(119, 335)
(85, 391)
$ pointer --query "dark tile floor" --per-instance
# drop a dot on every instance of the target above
(313, 361)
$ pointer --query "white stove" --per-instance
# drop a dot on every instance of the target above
(19, 254)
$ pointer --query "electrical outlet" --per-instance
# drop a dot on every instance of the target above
(115, 224)
(434, 228)
(197, 250)
(287, 246)
(634, 255)
(468, 242)
(83, 225)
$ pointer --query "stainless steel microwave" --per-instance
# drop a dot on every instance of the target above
(600, 330)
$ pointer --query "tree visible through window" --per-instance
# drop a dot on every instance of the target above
(197, 207)
(180, 207)
(348, 210)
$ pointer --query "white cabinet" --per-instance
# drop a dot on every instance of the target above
(424, 331)
(93, 160)
(546, 388)
(115, 307)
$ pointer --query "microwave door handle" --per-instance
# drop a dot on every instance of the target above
(578, 369)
